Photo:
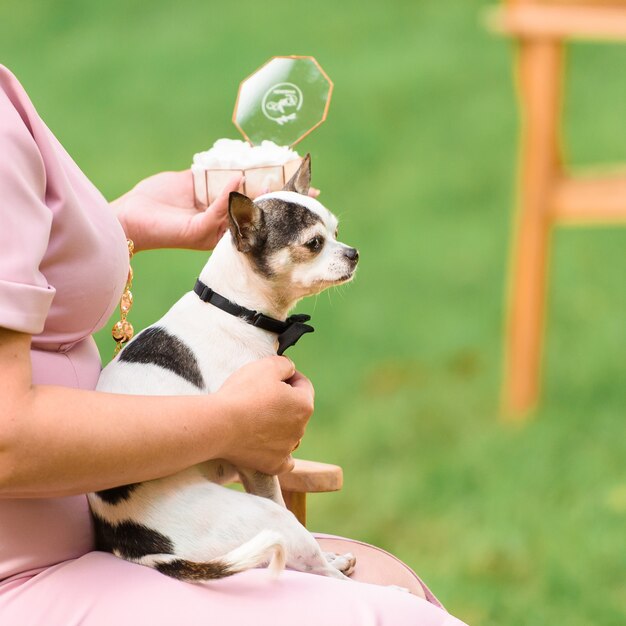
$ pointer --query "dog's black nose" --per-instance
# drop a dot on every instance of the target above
(352, 254)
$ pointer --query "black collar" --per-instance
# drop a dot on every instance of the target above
(288, 331)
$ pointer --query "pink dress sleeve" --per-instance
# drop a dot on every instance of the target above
(25, 223)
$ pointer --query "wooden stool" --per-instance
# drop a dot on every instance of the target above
(307, 477)
(549, 195)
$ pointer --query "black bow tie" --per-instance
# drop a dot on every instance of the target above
(288, 331)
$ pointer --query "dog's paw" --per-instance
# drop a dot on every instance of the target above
(345, 563)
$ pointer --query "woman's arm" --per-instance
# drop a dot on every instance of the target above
(58, 441)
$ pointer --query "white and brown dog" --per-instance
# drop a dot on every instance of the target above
(279, 249)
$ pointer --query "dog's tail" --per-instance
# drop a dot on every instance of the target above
(267, 548)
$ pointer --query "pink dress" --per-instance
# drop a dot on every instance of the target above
(63, 264)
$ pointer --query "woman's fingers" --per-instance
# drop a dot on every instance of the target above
(300, 381)
(270, 405)
(285, 367)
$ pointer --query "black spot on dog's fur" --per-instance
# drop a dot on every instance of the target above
(284, 221)
(188, 570)
(117, 494)
(157, 347)
(281, 225)
(133, 541)
(129, 539)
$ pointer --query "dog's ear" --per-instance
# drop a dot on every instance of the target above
(300, 182)
(245, 218)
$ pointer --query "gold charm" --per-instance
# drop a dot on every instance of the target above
(123, 331)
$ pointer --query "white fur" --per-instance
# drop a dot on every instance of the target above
(203, 519)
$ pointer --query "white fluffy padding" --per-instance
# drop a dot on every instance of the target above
(236, 154)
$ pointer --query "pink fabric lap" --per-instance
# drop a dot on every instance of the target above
(99, 589)
(375, 565)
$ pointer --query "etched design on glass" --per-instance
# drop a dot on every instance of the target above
(281, 102)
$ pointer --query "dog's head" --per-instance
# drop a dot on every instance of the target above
(290, 239)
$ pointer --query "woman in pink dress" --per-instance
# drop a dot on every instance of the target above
(63, 265)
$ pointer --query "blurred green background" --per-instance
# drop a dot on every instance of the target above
(509, 525)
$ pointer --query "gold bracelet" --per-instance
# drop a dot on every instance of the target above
(123, 331)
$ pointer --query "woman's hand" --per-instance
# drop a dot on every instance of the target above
(269, 404)
(160, 212)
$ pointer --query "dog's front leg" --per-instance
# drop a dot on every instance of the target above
(260, 484)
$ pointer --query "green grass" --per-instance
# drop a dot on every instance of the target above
(516, 526)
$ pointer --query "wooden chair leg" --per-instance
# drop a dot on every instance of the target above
(539, 84)
(296, 502)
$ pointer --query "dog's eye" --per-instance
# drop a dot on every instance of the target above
(315, 244)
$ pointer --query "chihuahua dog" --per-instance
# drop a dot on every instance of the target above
(278, 249)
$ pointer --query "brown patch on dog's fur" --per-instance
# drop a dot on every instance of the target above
(189, 570)
(300, 254)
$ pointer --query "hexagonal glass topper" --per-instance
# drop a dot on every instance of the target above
(283, 101)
